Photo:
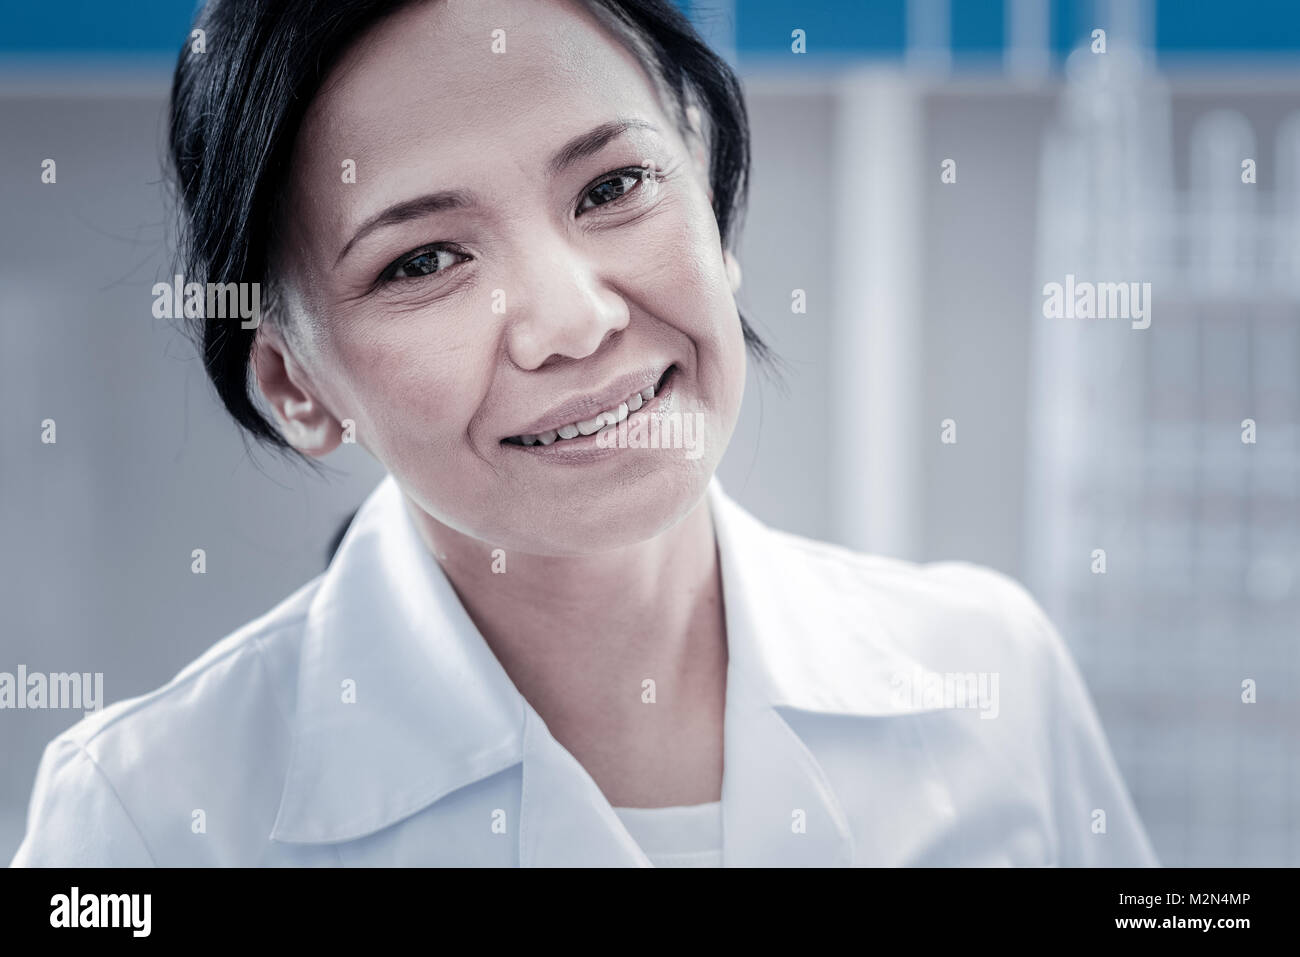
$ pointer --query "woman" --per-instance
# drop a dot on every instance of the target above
(495, 242)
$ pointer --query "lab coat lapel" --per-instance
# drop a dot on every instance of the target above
(778, 809)
(399, 700)
(565, 819)
(793, 647)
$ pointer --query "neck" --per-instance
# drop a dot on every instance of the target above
(579, 635)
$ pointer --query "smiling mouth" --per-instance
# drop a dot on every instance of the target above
(576, 430)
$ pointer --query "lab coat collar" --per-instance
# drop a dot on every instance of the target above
(400, 701)
(794, 621)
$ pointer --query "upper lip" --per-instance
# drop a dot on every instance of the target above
(587, 405)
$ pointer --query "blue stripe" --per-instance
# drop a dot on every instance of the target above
(869, 28)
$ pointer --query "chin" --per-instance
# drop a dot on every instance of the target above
(582, 520)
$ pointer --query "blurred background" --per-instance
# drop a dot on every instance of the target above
(924, 303)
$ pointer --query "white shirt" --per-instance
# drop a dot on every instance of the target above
(688, 835)
(365, 721)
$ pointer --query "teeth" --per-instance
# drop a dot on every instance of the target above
(591, 426)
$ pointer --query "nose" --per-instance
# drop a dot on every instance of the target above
(560, 307)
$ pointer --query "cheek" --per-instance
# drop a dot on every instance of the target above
(413, 393)
(701, 301)
(679, 272)
(679, 276)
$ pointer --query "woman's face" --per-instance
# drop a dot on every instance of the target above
(503, 268)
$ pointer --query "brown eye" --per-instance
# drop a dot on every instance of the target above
(426, 262)
(611, 188)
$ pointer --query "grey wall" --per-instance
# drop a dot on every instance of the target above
(776, 463)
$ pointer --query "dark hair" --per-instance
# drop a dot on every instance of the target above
(236, 109)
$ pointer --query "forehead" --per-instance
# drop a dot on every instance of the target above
(447, 88)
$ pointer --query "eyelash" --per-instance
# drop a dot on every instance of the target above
(640, 173)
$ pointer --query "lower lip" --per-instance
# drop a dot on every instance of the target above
(583, 449)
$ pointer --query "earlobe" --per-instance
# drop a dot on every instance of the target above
(307, 424)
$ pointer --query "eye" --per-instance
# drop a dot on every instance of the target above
(613, 187)
(425, 262)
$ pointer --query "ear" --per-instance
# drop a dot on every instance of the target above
(306, 423)
(733, 270)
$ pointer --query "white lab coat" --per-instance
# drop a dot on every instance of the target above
(252, 755)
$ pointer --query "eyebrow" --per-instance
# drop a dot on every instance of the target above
(580, 147)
